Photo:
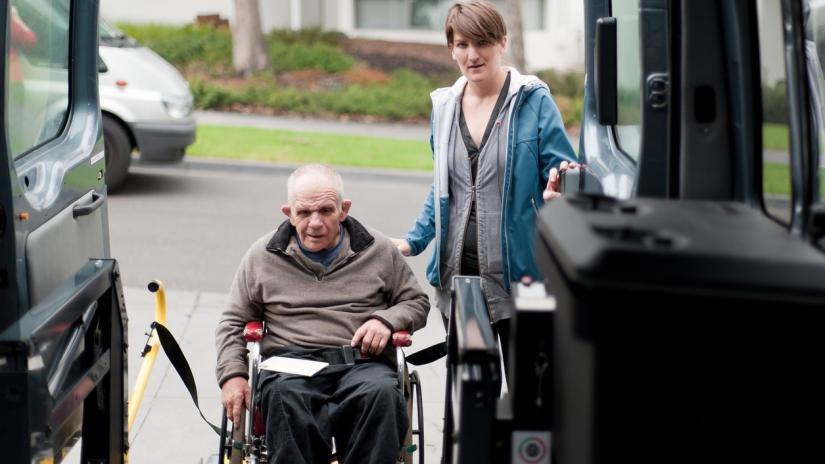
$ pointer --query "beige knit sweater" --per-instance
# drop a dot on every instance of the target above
(307, 306)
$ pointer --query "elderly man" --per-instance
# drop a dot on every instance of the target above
(324, 284)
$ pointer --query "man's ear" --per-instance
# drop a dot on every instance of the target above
(287, 210)
(345, 206)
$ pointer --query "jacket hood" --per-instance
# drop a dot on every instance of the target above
(445, 95)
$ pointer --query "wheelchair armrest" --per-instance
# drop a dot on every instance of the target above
(253, 332)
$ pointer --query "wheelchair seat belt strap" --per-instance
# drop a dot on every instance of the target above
(178, 360)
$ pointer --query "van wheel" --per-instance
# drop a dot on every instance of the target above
(118, 152)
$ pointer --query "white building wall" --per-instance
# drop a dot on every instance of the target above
(163, 11)
(560, 45)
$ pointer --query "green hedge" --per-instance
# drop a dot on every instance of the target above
(405, 96)
(775, 103)
(199, 46)
(292, 56)
(204, 55)
(568, 84)
(206, 48)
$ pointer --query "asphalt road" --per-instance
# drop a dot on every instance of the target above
(188, 225)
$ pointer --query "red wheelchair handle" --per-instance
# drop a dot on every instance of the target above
(253, 331)
(401, 338)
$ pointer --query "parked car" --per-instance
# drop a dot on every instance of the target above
(146, 105)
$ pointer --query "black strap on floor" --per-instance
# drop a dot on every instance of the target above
(178, 360)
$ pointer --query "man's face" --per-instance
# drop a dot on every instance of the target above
(316, 214)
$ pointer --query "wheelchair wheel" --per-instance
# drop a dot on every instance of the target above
(229, 436)
(415, 389)
(226, 440)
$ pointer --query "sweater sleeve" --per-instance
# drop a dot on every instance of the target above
(241, 308)
(408, 305)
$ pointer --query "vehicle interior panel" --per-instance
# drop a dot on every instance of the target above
(693, 245)
(705, 151)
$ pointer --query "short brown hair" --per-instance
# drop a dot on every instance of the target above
(477, 20)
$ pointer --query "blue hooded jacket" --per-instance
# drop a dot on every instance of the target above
(536, 142)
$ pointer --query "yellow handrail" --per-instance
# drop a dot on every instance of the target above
(157, 288)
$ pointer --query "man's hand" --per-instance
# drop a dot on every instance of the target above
(552, 189)
(235, 394)
(372, 337)
(402, 246)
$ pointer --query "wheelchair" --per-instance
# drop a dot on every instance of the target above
(247, 443)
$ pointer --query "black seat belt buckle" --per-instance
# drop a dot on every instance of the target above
(347, 354)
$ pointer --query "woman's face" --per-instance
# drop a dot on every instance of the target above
(478, 61)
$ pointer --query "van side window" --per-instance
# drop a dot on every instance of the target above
(629, 71)
(37, 81)
(776, 169)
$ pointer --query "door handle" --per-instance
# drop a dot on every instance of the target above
(85, 210)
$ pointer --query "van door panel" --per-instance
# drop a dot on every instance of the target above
(63, 244)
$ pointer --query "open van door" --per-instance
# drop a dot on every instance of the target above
(62, 320)
(690, 307)
(623, 137)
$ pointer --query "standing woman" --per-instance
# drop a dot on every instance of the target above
(498, 143)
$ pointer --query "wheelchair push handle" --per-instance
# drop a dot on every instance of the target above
(253, 332)
(402, 338)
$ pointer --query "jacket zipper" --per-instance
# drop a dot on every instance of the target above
(510, 150)
(464, 229)
(478, 261)
(535, 208)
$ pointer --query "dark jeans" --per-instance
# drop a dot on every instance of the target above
(361, 405)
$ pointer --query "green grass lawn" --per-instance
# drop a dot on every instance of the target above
(777, 179)
(241, 143)
(775, 136)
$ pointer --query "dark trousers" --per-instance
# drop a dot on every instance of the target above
(361, 405)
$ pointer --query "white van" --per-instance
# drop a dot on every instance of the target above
(145, 102)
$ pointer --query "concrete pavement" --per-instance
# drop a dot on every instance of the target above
(168, 427)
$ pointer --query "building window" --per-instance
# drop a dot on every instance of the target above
(429, 14)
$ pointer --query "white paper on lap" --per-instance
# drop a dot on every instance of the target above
(305, 367)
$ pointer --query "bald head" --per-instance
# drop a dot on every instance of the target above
(313, 177)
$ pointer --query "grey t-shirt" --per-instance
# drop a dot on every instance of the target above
(469, 254)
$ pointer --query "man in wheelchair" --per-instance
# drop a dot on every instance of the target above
(331, 290)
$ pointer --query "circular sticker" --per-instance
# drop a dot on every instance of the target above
(532, 449)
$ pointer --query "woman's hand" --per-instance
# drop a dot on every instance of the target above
(553, 184)
(402, 246)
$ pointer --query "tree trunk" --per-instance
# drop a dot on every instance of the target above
(249, 53)
(516, 36)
